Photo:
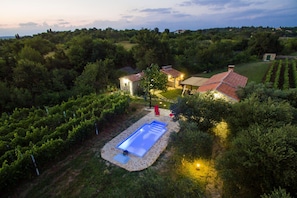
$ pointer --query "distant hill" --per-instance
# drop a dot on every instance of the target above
(6, 37)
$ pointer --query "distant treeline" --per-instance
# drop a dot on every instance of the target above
(48, 68)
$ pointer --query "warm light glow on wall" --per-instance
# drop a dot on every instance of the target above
(125, 80)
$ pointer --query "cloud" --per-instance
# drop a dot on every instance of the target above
(28, 24)
(157, 10)
(217, 3)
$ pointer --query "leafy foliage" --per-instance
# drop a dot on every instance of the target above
(202, 109)
(192, 142)
(260, 159)
(46, 133)
(153, 79)
(277, 193)
(268, 113)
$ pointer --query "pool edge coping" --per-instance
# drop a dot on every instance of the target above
(135, 163)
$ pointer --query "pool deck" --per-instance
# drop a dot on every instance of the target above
(109, 151)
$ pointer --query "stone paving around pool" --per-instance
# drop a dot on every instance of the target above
(109, 151)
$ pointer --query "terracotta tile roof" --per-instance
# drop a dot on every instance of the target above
(225, 83)
(168, 70)
(134, 77)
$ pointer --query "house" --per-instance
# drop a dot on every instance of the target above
(174, 76)
(224, 85)
(179, 31)
(130, 83)
(269, 56)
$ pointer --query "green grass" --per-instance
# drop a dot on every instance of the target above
(126, 44)
(254, 71)
(172, 94)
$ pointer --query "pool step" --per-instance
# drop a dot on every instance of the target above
(157, 128)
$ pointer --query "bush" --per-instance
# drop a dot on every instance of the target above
(192, 142)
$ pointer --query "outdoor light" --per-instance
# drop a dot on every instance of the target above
(197, 166)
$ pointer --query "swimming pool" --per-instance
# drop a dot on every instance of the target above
(140, 142)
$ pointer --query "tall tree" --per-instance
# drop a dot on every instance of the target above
(264, 42)
(153, 79)
(150, 49)
(31, 76)
(202, 109)
(96, 77)
(259, 160)
(28, 53)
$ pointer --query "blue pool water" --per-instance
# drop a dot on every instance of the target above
(140, 142)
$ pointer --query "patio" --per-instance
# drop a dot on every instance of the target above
(109, 151)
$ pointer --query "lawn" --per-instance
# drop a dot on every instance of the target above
(172, 94)
(255, 71)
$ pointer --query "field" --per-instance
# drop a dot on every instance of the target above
(282, 74)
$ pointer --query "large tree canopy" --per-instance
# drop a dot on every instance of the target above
(153, 79)
(202, 109)
(259, 160)
(95, 77)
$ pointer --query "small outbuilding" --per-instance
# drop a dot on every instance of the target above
(131, 83)
(269, 56)
(174, 76)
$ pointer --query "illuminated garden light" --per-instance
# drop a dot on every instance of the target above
(197, 166)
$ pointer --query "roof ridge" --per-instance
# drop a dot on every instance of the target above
(227, 74)
(222, 80)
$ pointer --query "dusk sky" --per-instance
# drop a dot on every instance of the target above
(27, 17)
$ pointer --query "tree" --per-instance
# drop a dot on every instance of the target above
(95, 77)
(268, 113)
(30, 54)
(263, 42)
(192, 142)
(277, 193)
(150, 49)
(153, 79)
(41, 45)
(31, 76)
(80, 51)
(4, 97)
(259, 160)
(59, 60)
(202, 109)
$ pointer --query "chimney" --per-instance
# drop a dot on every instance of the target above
(231, 67)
